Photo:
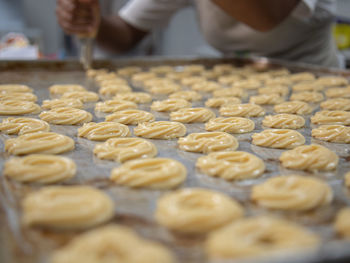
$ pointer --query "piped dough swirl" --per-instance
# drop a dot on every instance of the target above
(292, 192)
(208, 142)
(170, 104)
(66, 116)
(58, 103)
(103, 130)
(196, 210)
(332, 133)
(230, 125)
(331, 117)
(257, 237)
(153, 173)
(125, 149)
(18, 107)
(160, 130)
(39, 142)
(23, 125)
(192, 115)
(40, 168)
(67, 207)
(312, 157)
(231, 165)
(242, 110)
(131, 117)
(103, 245)
(114, 105)
(278, 138)
(284, 121)
(293, 107)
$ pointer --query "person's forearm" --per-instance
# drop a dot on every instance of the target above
(261, 15)
(116, 35)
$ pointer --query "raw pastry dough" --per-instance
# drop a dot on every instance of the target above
(67, 207)
(257, 237)
(331, 117)
(131, 117)
(23, 125)
(84, 96)
(223, 68)
(22, 96)
(332, 81)
(221, 101)
(274, 89)
(128, 71)
(229, 92)
(302, 76)
(177, 75)
(279, 72)
(192, 115)
(230, 125)
(58, 103)
(152, 173)
(278, 138)
(137, 97)
(64, 88)
(229, 79)
(293, 107)
(40, 168)
(231, 165)
(139, 78)
(307, 86)
(269, 99)
(336, 104)
(189, 95)
(312, 157)
(170, 104)
(247, 84)
(196, 210)
(338, 92)
(9, 88)
(115, 81)
(161, 69)
(112, 90)
(209, 74)
(103, 130)
(66, 116)
(114, 105)
(160, 130)
(283, 80)
(307, 96)
(207, 142)
(332, 133)
(165, 88)
(193, 68)
(284, 121)
(242, 110)
(125, 149)
(18, 107)
(342, 223)
(39, 142)
(112, 243)
(190, 81)
(292, 192)
(206, 86)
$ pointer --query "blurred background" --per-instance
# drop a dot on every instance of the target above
(36, 20)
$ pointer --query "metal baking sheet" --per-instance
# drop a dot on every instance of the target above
(135, 208)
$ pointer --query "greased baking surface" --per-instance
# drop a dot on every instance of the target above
(167, 148)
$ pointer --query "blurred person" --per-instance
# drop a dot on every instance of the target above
(294, 30)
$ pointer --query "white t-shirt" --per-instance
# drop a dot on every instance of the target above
(305, 35)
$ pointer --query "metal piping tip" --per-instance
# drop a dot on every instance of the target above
(86, 46)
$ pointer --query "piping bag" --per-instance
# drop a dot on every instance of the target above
(86, 40)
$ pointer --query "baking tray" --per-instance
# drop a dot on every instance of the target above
(135, 207)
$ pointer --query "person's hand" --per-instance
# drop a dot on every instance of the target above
(79, 17)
